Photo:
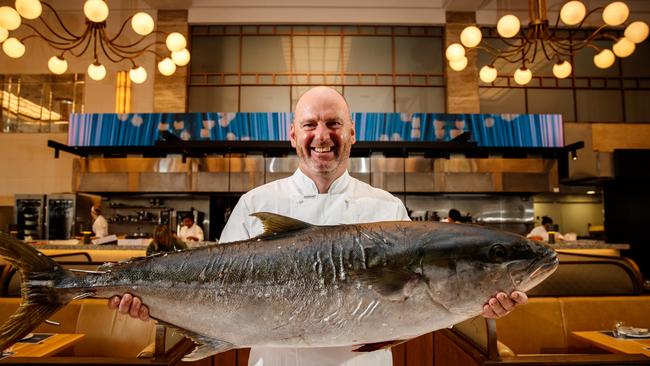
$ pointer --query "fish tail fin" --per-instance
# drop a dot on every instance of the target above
(39, 297)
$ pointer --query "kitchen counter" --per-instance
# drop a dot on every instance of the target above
(98, 253)
(597, 247)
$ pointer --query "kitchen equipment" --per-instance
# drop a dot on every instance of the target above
(29, 212)
(68, 214)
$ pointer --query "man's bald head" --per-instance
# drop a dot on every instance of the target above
(319, 96)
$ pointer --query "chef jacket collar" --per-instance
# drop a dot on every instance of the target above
(307, 187)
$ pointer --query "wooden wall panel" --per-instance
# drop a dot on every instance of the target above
(609, 136)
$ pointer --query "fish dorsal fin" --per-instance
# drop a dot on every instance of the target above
(277, 225)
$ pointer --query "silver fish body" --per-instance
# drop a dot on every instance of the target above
(300, 285)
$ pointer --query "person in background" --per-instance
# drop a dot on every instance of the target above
(541, 232)
(320, 192)
(100, 225)
(454, 215)
(164, 241)
(189, 230)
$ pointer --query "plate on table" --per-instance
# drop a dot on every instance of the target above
(634, 332)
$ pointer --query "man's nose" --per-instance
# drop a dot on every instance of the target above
(322, 132)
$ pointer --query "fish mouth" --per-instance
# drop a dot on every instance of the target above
(524, 279)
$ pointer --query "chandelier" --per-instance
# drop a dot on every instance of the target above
(93, 38)
(524, 46)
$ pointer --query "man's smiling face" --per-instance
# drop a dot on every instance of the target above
(322, 133)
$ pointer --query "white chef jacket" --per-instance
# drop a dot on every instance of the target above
(541, 232)
(100, 226)
(194, 230)
(348, 201)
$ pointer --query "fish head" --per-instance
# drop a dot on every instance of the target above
(466, 265)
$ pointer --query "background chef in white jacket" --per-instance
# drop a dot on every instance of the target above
(320, 192)
(100, 225)
(190, 230)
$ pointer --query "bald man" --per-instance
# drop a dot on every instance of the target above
(320, 192)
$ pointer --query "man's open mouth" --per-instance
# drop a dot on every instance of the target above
(322, 149)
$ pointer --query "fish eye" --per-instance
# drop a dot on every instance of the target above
(498, 253)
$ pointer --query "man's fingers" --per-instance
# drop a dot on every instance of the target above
(504, 300)
(496, 307)
(519, 297)
(125, 304)
(135, 308)
(143, 314)
(488, 313)
(114, 302)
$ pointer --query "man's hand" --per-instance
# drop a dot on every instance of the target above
(129, 304)
(502, 304)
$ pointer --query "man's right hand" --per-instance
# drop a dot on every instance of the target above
(129, 304)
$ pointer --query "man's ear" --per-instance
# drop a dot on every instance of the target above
(353, 136)
(292, 135)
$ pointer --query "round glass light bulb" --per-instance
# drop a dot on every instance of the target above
(142, 23)
(3, 34)
(9, 18)
(29, 9)
(175, 41)
(616, 13)
(167, 66)
(138, 75)
(470, 36)
(96, 10)
(459, 65)
(181, 58)
(523, 76)
(96, 71)
(57, 65)
(455, 52)
(573, 12)
(604, 59)
(623, 47)
(13, 48)
(508, 26)
(637, 31)
(562, 69)
(487, 74)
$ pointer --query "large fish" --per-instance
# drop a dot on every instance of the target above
(299, 285)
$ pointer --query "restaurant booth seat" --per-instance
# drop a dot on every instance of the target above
(539, 333)
(109, 337)
(586, 293)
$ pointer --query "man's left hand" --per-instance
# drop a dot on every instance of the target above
(502, 304)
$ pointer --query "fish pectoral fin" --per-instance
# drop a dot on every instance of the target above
(275, 225)
(393, 284)
(370, 347)
(206, 347)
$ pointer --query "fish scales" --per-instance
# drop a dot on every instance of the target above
(301, 285)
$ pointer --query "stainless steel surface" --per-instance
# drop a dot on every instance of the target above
(68, 214)
(29, 215)
(513, 213)
(240, 173)
(135, 164)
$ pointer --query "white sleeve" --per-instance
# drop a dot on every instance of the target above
(401, 214)
(236, 228)
(199, 233)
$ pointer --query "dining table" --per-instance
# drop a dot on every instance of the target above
(49, 346)
(606, 341)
